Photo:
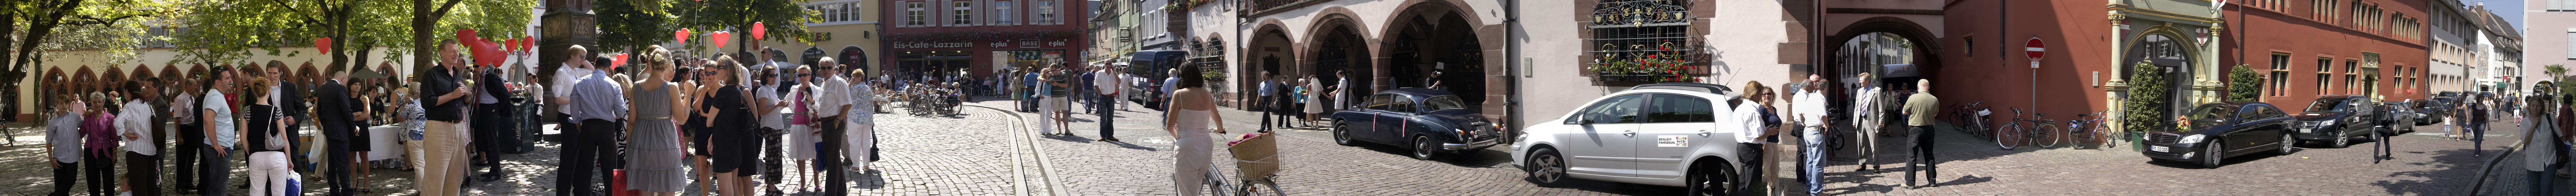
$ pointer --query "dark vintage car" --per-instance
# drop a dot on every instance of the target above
(1430, 122)
(2221, 130)
(2337, 118)
(2428, 112)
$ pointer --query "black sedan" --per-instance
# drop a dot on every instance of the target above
(1430, 122)
(2221, 130)
(2335, 119)
(2428, 112)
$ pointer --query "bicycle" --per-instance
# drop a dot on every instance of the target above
(1256, 156)
(1972, 121)
(2082, 129)
(2024, 135)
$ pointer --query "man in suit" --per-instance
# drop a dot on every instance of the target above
(493, 115)
(334, 110)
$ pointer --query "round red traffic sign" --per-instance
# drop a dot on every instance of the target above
(2035, 49)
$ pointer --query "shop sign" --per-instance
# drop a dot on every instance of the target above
(903, 45)
(1028, 43)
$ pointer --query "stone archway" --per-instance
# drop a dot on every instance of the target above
(1432, 44)
(1339, 45)
(2173, 56)
(1270, 50)
(1918, 44)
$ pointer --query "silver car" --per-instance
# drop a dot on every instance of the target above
(1669, 134)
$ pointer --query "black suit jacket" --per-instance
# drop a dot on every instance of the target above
(332, 107)
(292, 101)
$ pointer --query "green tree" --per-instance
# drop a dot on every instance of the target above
(113, 29)
(2243, 84)
(2145, 105)
(628, 24)
(785, 20)
(229, 30)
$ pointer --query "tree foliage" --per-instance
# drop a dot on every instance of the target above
(628, 24)
(2244, 84)
(785, 20)
(233, 30)
(2145, 105)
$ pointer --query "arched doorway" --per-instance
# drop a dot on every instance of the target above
(1435, 47)
(1339, 48)
(1270, 50)
(2173, 60)
(856, 57)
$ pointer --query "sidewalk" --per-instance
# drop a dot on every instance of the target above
(2509, 178)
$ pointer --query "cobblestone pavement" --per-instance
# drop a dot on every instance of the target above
(2424, 165)
(1311, 163)
(996, 152)
(2508, 178)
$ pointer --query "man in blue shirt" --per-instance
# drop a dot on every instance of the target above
(599, 104)
(1089, 97)
(1029, 84)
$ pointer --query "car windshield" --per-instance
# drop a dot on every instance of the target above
(2330, 105)
(2210, 115)
(1444, 102)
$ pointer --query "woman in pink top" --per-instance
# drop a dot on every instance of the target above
(99, 147)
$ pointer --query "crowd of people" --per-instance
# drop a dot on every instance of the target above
(721, 117)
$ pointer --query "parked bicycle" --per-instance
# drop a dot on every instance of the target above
(2088, 127)
(1972, 120)
(2037, 134)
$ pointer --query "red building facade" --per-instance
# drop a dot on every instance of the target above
(2311, 48)
(981, 37)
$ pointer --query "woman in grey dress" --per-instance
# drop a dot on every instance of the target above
(655, 140)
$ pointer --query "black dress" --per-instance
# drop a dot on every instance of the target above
(736, 142)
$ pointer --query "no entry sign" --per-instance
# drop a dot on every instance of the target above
(2035, 49)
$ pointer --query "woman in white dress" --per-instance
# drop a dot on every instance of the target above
(1314, 98)
(1193, 113)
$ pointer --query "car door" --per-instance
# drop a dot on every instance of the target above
(1603, 145)
(2241, 134)
(1674, 125)
(1393, 123)
(1374, 118)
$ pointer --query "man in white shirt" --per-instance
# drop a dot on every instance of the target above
(142, 158)
(1106, 81)
(1169, 82)
(183, 111)
(1810, 111)
(1868, 114)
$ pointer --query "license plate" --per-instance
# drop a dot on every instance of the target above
(2307, 130)
(2160, 148)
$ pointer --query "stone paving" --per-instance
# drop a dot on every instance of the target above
(991, 151)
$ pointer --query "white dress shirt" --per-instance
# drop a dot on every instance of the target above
(1811, 108)
(138, 121)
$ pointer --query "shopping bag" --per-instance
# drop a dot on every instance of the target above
(294, 184)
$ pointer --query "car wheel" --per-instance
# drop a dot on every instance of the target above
(2342, 141)
(2286, 143)
(1341, 133)
(1711, 178)
(1546, 167)
(2210, 157)
(1423, 148)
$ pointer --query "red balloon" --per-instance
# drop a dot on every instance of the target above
(530, 44)
(758, 30)
(681, 37)
(719, 38)
(489, 54)
(465, 35)
(322, 44)
(619, 60)
(510, 45)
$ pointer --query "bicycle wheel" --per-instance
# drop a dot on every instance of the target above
(2009, 138)
(1216, 186)
(2041, 136)
(1261, 186)
(1976, 126)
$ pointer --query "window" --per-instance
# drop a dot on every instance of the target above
(2562, 5)
(2571, 40)
(1658, 23)
(1002, 13)
(914, 15)
(2325, 69)
(964, 12)
(1972, 45)
(1668, 108)
(2349, 80)
(1046, 13)
(2280, 75)
(1622, 109)
(836, 12)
